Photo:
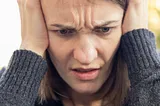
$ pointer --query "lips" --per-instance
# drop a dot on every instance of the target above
(86, 74)
(84, 70)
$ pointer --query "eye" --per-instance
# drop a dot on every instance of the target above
(66, 31)
(63, 31)
(104, 30)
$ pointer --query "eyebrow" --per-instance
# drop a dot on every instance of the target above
(96, 24)
(104, 23)
(63, 26)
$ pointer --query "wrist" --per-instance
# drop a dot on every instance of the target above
(38, 52)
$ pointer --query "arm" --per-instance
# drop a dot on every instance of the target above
(139, 51)
(1, 71)
(20, 82)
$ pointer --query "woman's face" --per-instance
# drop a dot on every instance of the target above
(83, 39)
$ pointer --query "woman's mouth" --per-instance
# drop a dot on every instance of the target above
(86, 74)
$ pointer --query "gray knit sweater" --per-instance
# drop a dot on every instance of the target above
(20, 82)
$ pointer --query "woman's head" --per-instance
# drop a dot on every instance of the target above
(84, 35)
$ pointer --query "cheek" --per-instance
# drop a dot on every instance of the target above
(59, 51)
(111, 44)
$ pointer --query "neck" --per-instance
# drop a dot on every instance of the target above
(82, 102)
(96, 99)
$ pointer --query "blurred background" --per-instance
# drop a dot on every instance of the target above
(154, 19)
(10, 27)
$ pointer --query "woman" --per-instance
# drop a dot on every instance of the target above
(82, 42)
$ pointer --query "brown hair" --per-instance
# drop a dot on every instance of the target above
(122, 3)
(118, 81)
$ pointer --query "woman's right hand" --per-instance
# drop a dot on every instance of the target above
(33, 28)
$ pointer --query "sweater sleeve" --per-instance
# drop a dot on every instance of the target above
(143, 61)
(20, 82)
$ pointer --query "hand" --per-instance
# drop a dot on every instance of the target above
(33, 28)
(136, 16)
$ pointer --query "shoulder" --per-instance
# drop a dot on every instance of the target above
(49, 103)
(2, 70)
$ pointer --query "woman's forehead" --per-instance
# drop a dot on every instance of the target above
(68, 10)
(72, 2)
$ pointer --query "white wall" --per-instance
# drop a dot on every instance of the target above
(9, 30)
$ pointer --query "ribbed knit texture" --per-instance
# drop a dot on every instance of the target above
(20, 82)
(139, 51)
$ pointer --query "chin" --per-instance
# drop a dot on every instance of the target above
(86, 89)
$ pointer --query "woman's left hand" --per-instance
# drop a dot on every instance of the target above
(136, 16)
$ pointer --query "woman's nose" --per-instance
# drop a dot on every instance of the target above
(85, 52)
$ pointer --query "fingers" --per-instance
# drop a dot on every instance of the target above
(138, 2)
(33, 27)
(140, 7)
(21, 11)
(25, 9)
(29, 3)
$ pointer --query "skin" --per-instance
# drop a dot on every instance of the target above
(84, 47)
(37, 38)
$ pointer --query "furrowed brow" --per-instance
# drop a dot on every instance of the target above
(63, 26)
(95, 23)
(105, 23)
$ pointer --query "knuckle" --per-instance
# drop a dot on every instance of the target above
(31, 4)
(20, 2)
(136, 2)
